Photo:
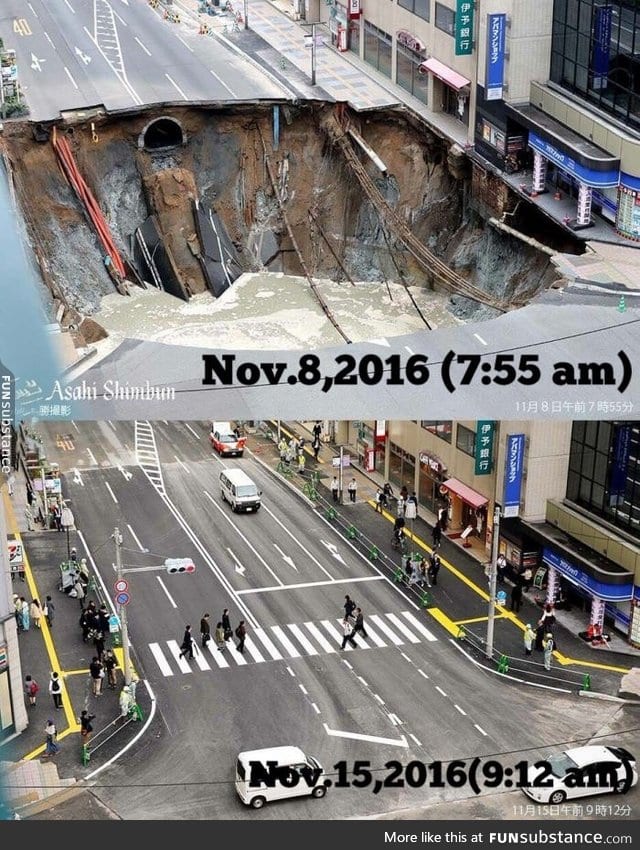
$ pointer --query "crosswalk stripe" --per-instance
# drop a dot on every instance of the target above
(253, 650)
(386, 630)
(403, 628)
(200, 660)
(324, 643)
(357, 637)
(217, 655)
(161, 661)
(182, 663)
(238, 657)
(266, 641)
(336, 633)
(306, 643)
(284, 640)
(372, 635)
(419, 626)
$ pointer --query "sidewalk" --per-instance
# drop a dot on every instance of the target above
(461, 597)
(37, 782)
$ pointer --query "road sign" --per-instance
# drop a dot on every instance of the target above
(121, 586)
(123, 598)
(114, 624)
(15, 554)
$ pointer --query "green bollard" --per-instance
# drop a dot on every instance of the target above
(586, 682)
(352, 532)
(398, 576)
(135, 712)
(461, 633)
(503, 664)
(622, 307)
(92, 586)
(86, 755)
(331, 513)
(425, 601)
(374, 553)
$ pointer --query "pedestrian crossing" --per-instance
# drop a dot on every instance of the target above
(293, 640)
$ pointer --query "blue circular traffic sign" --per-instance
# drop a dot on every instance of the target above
(123, 598)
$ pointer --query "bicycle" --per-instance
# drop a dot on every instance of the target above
(399, 542)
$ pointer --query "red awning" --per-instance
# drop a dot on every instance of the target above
(447, 75)
(476, 500)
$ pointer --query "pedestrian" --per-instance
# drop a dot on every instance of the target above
(347, 631)
(102, 624)
(241, 634)
(301, 463)
(26, 618)
(56, 513)
(98, 643)
(110, 665)
(436, 534)
(11, 481)
(85, 625)
(349, 606)
(540, 632)
(125, 702)
(335, 488)
(378, 500)
(413, 500)
(55, 689)
(529, 637)
(83, 573)
(219, 636)
(226, 625)
(415, 572)
(133, 685)
(501, 568)
(85, 725)
(358, 625)
(548, 618)
(73, 556)
(78, 592)
(17, 611)
(186, 647)
(317, 430)
(516, 597)
(49, 611)
(547, 647)
(352, 489)
(408, 569)
(31, 688)
(35, 612)
(28, 517)
(282, 448)
(424, 573)
(527, 578)
(205, 630)
(434, 567)
(97, 675)
(30, 496)
(387, 492)
(315, 445)
(400, 506)
(51, 736)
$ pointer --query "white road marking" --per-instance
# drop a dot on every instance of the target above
(253, 650)
(361, 642)
(386, 630)
(424, 631)
(92, 457)
(266, 641)
(309, 584)
(70, 6)
(365, 683)
(161, 661)
(379, 699)
(111, 491)
(182, 663)
(315, 708)
(303, 689)
(334, 552)
(284, 640)
(371, 635)
(394, 719)
(324, 643)
(461, 710)
(403, 629)
(410, 350)
(222, 83)
(333, 631)
(406, 657)
(35, 14)
(478, 337)
(72, 422)
(176, 87)
(183, 465)
(123, 22)
(290, 672)
(286, 558)
(68, 73)
(142, 45)
(304, 642)
(125, 473)
(185, 43)
(480, 729)
(77, 477)
(238, 657)
(193, 431)
(423, 674)
(218, 655)
(296, 541)
(135, 537)
(411, 735)
(440, 691)
(168, 595)
(346, 664)
(200, 660)
(393, 742)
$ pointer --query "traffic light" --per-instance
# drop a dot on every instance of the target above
(179, 565)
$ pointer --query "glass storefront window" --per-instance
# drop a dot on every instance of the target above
(407, 75)
(420, 8)
(402, 467)
(466, 440)
(442, 429)
(445, 19)
(377, 48)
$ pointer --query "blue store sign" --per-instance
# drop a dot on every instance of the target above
(608, 592)
(513, 469)
(494, 73)
(564, 161)
(601, 46)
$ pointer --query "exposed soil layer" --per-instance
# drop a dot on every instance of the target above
(290, 203)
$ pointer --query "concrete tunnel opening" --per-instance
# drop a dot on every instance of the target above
(162, 134)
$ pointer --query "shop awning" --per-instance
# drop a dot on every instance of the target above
(476, 500)
(443, 72)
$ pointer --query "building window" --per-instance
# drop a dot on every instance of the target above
(493, 136)
(466, 440)
(420, 8)
(445, 19)
(440, 429)
(402, 467)
(594, 50)
(408, 76)
(377, 48)
(354, 37)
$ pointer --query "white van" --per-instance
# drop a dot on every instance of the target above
(277, 773)
(239, 490)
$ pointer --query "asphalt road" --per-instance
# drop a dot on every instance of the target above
(408, 695)
(78, 54)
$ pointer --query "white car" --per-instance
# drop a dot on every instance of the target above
(580, 772)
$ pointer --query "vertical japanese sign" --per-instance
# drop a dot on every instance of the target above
(601, 46)
(514, 468)
(494, 72)
(354, 9)
(484, 446)
(464, 28)
(618, 479)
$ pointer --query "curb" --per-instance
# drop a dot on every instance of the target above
(47, 803)
(608, 697)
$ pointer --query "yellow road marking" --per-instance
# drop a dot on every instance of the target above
(445, 621)
(480, 619)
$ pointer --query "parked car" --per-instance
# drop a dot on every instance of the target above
(225, 441)
(581, 772)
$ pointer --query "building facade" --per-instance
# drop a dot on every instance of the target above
(568, 493)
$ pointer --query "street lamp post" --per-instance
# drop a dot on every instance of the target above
(122, 610)
(493, 581)
(67, 521)
(246, 14)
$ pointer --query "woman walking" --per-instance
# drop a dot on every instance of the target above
(35, 612)
(548, 650)
(97, 675)
(51, 736)
(31, 689)
(529, 637)
(26, 619)
(110, 664)
(219, 637)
